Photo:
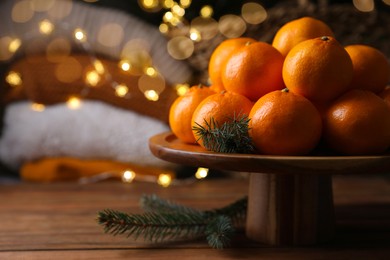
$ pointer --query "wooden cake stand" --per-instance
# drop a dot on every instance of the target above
(290, 197)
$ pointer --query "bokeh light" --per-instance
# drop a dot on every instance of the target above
(73, 103)
(207, 27)
(13, 78)
(253, 13)
(22, 12)
(232, 26)
(41, 5)
(121, 90)
(364, 5)
(38, 107)
(164, 179)
(58, 49)
(110, 35)
(180, 47)
(46, 27)
(68, 70)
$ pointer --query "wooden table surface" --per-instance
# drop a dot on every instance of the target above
(58, 221)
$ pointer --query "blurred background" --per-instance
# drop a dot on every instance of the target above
(85, 79)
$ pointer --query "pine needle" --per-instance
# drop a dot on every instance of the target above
(231, 137)
(165, 220)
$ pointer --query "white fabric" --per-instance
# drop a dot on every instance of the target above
(94, 131)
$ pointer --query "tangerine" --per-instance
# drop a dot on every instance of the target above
(284, 123)
(219, 108)
(319, 69)
(253, 70)
(358, 123)
(219, 56)
(181, 111)
(299, 30)
(371, 69)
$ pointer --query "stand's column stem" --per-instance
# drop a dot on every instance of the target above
(290, 209)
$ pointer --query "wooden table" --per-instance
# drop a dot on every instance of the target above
(58, 221)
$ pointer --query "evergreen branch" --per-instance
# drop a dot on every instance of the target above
(219, 232)
(231, 137)
(153, 226)
(167, 220)
(156, 204)
(235, 211)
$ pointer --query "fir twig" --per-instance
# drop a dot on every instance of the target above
(231, 137)
(235, 211)
(153, 226)
(167, 220)
(219, 232)
(154, 203)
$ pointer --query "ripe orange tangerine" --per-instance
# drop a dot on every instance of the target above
(181, 111)
(319, 69)
(253, 70)
(284, 123)
(371, 69)
(219, 56)
(358, 123)
(299, 30)
(219, 108)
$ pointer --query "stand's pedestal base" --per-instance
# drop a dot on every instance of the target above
(290, 209)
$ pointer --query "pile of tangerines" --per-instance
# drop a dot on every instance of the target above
(302, 90)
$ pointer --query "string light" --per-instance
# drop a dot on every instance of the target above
(201, 173)
(164, 179)
(181, 89)
(92, 78)
(206, 11)
(128, 176)
(46, 27)
(13, 79)
(121, 90)
(37, 107)
(73, 103)
(14, 45)
(124, 65)
(98, 65)
(151, 95)
(150, 71)
(80, 35)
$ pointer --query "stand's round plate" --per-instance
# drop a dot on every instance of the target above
(167, 147)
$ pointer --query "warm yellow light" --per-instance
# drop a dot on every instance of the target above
(46, 27)
(164, 179)
(149, 4)
(387, 2)
(185, 3)
(73, 103)
(195, 35)
(206, 11)
(121, 90)
(181, 89)
(178, 10)
(150, 71)
(13, 78)
(37, 107)
(98, 66)
(80, 35)
(151, 95)
(201, 173)
(168, 16)
(124, 65)
(164, 28)
(168, 4)
(128, 176)
(14, 45)
(92, 78)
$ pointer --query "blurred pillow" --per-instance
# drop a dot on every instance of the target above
(94, 131)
